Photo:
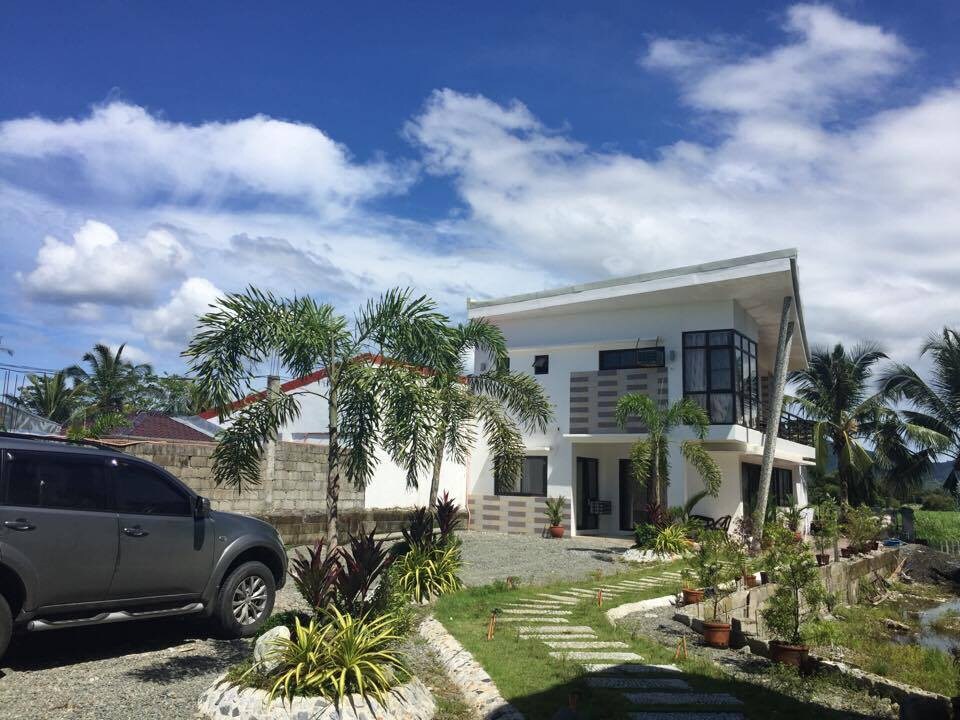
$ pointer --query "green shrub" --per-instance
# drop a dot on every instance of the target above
(672, 540)
(342, 656)
(861, 527)
(798, 597)
(554, 510)
(826, 527)
(644, 534)
(428, 571)
(938, 501)
(937, 525)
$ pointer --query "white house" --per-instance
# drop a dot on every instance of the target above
(708, 332)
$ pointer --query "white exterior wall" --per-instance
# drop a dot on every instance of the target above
(388, 488)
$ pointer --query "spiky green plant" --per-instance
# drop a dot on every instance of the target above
(428, 571)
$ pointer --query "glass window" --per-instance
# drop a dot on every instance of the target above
(694, 339)
(631, 358)
(695, 370)
(781, 486)
(141, 491)
(69, 482)
(533, 478)
(721, 377)
(719, 373)
(541, 364)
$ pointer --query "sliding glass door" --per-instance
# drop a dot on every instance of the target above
(588, 488)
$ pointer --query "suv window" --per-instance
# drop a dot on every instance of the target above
(57, 481)
(141, 491)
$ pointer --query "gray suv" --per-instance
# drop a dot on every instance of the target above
(89, 535)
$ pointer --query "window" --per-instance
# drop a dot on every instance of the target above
(69, 482)
(781, 486)
(141, 491)
(631, 358)
(541, 364)
(533, 479)
(720, 374)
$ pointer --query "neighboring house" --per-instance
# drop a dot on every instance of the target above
(707, 332)
(388, 488)
(16, 419)
(151, 425)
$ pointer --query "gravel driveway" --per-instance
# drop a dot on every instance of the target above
(156, 670)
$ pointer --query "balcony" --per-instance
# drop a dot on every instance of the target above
(594, 395)
(793, 428)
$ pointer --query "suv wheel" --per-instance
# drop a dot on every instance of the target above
(6, 625)
(246, 599)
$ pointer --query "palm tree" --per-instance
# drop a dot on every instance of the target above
(494, 401)
(50, 396)
(834, 392)
(934, 406)
(109, 380)
(374, 395)
(650, 455)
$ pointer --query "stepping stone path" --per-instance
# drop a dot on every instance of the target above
(610, 664)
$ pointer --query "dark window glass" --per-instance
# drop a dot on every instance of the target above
(781, 486)
(720, 338)
(141, 491)
(58, 481)
(695, 370)
(541, 364)
(631, 358)
(719, 373)
(533, 479)
(721, 377)
(694, 339)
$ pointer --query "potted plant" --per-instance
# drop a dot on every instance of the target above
(827, 529)
(862, 529)
(740, 557)
(775, 538)
(710, 563)
(554, 513)
(691, 593)
(793, 519)
(797, 599)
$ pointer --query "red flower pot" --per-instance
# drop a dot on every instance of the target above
(786, 654)
(750, 581)
(717, 634)
(556, 531)
(692, 596)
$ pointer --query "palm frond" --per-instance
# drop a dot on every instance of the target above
(702, 461)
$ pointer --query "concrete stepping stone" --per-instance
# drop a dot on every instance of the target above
(584, 644)
(535, 611)
(682, 698)
(684, 716)
(532, 619)
(633, 683)
(556, 628)
(558, 598)
(544, 605)
(607, 656)
(630, 669)
(558, 636)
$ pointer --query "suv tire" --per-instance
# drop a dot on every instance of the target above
(6, 625)
(245, 600)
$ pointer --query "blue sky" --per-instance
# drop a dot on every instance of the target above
(154, 155)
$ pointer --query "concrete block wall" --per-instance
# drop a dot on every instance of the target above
(522, 514)
(594, 395)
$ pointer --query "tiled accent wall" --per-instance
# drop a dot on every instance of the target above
(594, 395)
(519, 514)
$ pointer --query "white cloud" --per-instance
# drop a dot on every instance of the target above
(170, 326)
(100, 268)
(128, 154)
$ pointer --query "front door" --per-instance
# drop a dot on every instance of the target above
(587, 490)
(164, 549)
(58, 517)
(627, 485)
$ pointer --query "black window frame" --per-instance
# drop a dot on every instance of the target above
(541, 364)
(742, 381)
(781, 485)
(10, 457)
(176, 486)
(519, 493)
(620, 359)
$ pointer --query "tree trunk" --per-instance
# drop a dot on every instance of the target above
(333, 469)
(843, 471)
(655, 470)
(784, 341)
(439, 450)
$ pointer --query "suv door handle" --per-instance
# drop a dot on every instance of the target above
(19, 524)
(135, 531)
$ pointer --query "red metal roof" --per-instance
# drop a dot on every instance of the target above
(158, 426)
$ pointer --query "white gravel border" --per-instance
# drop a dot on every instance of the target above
(476, 686)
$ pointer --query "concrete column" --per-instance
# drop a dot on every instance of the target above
(268, 465)
(779, 382)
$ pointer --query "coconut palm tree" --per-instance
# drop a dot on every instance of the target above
(650, 455)
(374, 394)
(835, 392)
(51, 396)
(493, 401)
(934, 405)
(109, 380)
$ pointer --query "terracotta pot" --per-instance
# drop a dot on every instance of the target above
(823, 559)
(716, 634)
(691, 596)
(798, 536)
(785, 654)
(750, 581)
(846, 552)
(556, 531)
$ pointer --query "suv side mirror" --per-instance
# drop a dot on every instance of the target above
(201, 509)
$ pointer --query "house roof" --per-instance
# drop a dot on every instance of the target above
(159, 426)
(758, 282)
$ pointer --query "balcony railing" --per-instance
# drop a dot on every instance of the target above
(792, 427)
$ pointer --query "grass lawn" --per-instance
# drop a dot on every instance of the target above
(937, 526)
(539, 685)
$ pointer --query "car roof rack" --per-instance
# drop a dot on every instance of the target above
(59, 439)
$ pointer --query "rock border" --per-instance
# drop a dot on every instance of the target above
(476, 686)
(410, 701)
(621, 611)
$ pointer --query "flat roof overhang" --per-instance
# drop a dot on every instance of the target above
(758, 283)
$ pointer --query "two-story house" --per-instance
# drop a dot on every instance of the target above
(706, 332)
